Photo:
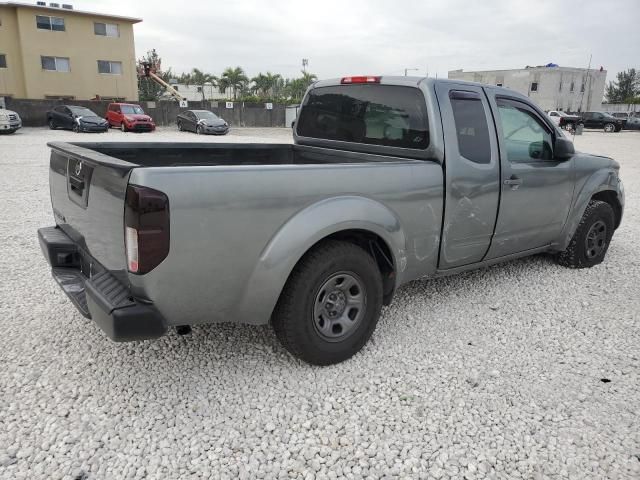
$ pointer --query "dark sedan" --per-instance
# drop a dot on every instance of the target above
(78, 119)
(202, 122)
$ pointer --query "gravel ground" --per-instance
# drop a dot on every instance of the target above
(498, 373)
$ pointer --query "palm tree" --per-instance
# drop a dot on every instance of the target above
(264, 84)
(233, 78)
(200, 79)
(308, 78)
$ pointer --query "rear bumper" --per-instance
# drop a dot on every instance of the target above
(99, 296)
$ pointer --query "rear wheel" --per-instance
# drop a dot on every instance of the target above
(330, 305)
(52, 124)
(570, 127)
(609, 127)
(591, 239)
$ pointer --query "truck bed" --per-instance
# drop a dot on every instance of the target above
(212, 154)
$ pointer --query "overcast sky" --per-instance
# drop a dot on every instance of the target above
(383, 37)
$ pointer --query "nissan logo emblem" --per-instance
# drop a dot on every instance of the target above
(78, 168)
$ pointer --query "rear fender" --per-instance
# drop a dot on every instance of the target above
(304, 230)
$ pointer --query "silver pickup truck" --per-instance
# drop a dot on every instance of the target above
(390, 179)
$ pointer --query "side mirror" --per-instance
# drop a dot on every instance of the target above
(563, 149)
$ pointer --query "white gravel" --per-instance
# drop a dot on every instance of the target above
(492, 374)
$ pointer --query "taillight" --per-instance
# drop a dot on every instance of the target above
(360, 79)
(146, 228)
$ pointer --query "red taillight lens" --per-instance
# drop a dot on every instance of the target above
(146, 222)
(360, 79)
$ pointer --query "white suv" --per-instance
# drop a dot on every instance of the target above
(9, 121)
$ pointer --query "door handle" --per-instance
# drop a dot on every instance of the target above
(514, 182)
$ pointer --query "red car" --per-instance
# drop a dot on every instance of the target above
(129, 116)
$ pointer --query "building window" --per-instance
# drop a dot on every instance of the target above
(50, 23)
(106, 29)
(199, 89)
(55, 64)
(571, 88)
(582, 88)
(560, 88)
(534, 86)
(107, 66)
(498, 84)
(3, 60)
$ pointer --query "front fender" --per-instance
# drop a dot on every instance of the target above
(605, 179)
(305, 229)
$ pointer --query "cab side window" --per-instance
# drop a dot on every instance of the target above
(526, 137)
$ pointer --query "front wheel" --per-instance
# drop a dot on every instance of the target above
(591, 239)
(198, 130)
(76, 128)
(330, 305)
(609, 127)
(52, 124)
(123, 127)
(180, 128)
(570, 127)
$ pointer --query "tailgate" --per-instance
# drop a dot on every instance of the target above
(88, 195)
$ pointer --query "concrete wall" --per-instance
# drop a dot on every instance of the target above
(554, 85)
(619, 107)
(34, 112)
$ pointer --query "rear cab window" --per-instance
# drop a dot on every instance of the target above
(368, 114)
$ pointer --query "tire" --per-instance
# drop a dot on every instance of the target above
(591, 239)
(123, 127)
(76, 128)
(301, 319)
(570, 127)
(52, 125)
(180, 129)
(609, 127)
(198, 130)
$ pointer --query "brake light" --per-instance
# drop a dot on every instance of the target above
(360, 79)
(146, 222)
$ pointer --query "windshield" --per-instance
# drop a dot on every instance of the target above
(206, 115)
(131, 109)
(82, 112)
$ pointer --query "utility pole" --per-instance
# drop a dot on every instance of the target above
(305, 63)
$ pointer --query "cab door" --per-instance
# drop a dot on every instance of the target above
(472, 174)
(536, 189)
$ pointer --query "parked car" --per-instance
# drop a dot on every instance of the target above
(78, 119)
(128, 116)
(10, 121)
(202, 122)
(564, 120)
(391, 179)
(602, 120)
(633, 123)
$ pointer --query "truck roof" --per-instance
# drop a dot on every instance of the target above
(414, 81)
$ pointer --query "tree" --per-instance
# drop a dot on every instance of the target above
(149, 90)
(625, 89)
(296, 87)
(265, 84)
(234, 79)
(200, 79)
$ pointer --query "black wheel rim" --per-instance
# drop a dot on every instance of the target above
(339, 306)
(596, 239)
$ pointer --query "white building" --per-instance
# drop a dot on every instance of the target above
(193, 93)
(550, 87)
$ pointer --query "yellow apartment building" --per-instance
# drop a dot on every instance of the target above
(54, 51)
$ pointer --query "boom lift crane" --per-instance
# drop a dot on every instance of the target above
(148, 70)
